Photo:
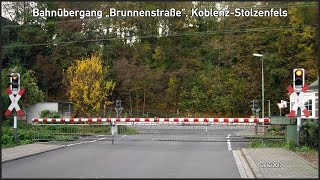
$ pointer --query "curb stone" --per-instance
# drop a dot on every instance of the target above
(255, 169)
(243, 167)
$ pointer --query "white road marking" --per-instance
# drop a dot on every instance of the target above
(90, 141)
(81, 143)
(124, 135)
(76, 143)
(229, 143)
(101, 139)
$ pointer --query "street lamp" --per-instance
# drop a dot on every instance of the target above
(262, 79)
(269, 111)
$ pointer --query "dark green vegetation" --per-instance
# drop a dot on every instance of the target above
(272, 134)
(202, 66)
(310, 134)
(308, 139)
(25, 134)
(288, 145)
(28, 133)
(49, 114)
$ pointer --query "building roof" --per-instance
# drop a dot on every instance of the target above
(314, 85)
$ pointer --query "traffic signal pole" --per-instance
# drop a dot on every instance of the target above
(15, 134)
(15, 94)
(262, 77)
(298, 86)
(298, 125)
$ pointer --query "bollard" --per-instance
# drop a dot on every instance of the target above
(113, 129)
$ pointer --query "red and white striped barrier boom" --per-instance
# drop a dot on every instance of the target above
(173, 120)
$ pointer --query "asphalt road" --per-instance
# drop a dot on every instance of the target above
(130, 159)
(162, 151)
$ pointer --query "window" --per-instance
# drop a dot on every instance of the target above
(308, 105)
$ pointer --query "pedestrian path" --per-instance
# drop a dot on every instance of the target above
(273, 163)
(21, 151)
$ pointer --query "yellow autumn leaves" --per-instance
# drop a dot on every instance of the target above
(89, 87)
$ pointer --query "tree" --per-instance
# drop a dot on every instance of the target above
(88, 86)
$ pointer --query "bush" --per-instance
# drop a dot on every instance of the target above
(6, 139)
(309, 134)
(25, 135)
(305, 149)
(45, 113)
(49, 114)
(55, 114)
(26, 141)
(291, 145)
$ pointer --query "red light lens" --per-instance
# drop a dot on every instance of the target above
(299, 73)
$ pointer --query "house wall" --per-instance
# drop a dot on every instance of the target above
(34, 110)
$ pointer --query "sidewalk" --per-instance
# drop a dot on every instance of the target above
(9, 154)
(272, 163)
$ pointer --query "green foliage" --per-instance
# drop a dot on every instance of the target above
(262, 144)
(55, 115)
(25, 134)
(309, 134)
(291, 145)
(305, 148)
(45, 113)
(6, 139)
(49, 114)
(33, 93)
(126, 130)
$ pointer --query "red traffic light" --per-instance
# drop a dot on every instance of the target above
(298, 79)
(299, 72)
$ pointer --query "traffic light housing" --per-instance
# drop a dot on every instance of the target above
(118, 103)
(14, 83)
(298, 79)
(255, 104)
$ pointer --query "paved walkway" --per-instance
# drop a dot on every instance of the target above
(272, 163)
(21, 151)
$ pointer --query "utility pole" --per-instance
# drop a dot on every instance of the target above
(269, 111)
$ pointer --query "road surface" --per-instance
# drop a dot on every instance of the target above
(128, 158)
